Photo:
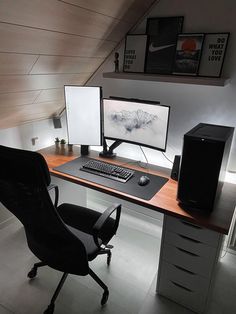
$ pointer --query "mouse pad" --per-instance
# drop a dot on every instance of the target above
(130, 187)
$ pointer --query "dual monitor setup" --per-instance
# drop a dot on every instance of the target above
(91, 120)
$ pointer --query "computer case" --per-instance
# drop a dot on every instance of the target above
(203, 165)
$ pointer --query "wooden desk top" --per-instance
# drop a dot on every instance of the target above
(163, 201)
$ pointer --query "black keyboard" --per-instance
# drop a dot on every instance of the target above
(107, 170)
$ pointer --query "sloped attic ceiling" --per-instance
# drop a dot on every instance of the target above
(45, 44)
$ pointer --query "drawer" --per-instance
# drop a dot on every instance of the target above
(191, 230)
(189, 298)
(184, 277)
(187, 260)
(190, 245)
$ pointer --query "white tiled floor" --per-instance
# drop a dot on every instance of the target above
(131, 278)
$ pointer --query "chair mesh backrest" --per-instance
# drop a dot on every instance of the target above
(24, 177)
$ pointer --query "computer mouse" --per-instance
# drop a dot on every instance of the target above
(143, 180)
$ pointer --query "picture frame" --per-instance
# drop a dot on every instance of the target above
(188, 54)
(162, 37)
(213, 54)
(134, 54)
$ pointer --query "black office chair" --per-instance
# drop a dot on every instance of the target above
(65, 237)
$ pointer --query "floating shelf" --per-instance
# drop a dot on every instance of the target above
(179, 79)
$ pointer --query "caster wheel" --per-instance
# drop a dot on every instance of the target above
(109, 246)
(109, 258)
(105, 297)
(50, 309)
(32, 273)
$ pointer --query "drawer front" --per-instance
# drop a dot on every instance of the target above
(185, 278)
(174, 291)
(195, 232)
(187, 260)
(190, 245)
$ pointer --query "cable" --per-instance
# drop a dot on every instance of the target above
(138, 162)
(167, 158)
(144, 154)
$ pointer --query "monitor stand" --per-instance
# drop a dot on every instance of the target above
(108, 152)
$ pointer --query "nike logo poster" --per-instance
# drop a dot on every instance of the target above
(160, 53)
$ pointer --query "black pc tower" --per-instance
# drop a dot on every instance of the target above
(203, 165)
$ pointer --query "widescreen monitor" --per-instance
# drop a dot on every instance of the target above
(84, 114)
(140, 122)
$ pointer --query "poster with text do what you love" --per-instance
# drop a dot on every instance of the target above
(213, 54)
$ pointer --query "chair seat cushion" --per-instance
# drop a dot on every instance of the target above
(87, 239)
(80, 220)
(83, 219)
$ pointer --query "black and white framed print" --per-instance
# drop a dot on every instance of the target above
(134, 55)
(188, 54)
(162, 33)
(213, 54)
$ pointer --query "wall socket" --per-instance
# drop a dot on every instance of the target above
(33, 140)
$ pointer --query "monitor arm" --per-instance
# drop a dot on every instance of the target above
(108, 152)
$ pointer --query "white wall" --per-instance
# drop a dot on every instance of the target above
(190, 104)
(21, 136)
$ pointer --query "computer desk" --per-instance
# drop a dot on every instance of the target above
(191, 241)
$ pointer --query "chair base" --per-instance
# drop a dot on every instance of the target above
(102, 285)
(50, 309)
(109, 254)
(33, 272)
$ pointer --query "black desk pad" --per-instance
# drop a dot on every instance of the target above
(131, 187)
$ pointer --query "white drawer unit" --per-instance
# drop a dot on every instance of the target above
(184, 287)
(188, 257)
(193, 231)
(190, 261)
(189, 280)
(189, 298)
(189, 244)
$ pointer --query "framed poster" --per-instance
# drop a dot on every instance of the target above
(213, 54)
(134, 55)
(162, 32)
(188, 54)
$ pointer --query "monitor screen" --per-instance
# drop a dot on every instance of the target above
(136, 121)
(83, 112)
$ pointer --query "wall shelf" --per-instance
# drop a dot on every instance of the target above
(179, 79)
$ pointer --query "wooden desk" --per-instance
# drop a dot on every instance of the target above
(191, 241)
(164, 201)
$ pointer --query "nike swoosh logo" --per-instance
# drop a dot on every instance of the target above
(153, 49)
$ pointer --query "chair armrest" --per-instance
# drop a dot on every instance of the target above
(55, 187)
(99, 224)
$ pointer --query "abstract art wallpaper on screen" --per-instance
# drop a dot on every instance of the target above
(143, 123)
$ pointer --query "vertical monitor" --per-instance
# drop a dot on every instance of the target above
(83, 112)
(139, 122)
